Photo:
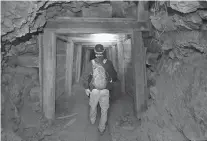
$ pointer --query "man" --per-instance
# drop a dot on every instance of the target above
(98, 79)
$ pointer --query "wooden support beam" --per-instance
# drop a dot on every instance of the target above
(113, 52)
(63, 38)
(139, 68)
(78, 62)
(94, 19)
(110, 54)
(107, 52)
(69, 67)
(86, 57)
(40, 45)
(89, 40)
(110, 24)
(138, 62)
(143, 15)
(85, 41)
(143, 12)
(120, 49)
(91, 30)
(49, 74)
(92, 44)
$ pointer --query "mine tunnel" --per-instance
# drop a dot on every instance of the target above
(157, 48)
(84, 52)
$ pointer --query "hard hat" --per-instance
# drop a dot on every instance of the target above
(99, 49)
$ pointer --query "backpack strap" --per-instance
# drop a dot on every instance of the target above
(93, 62)
(104, 61)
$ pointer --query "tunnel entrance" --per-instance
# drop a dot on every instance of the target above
(78, 50)
(76, 39)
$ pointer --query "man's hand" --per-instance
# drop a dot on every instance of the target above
(87, 92)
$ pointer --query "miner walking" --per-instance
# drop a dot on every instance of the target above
(97, 80)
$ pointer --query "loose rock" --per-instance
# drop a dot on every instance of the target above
(185, 6)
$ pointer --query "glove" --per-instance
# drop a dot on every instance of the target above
(87, 92)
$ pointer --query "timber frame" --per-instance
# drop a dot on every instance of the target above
(66, 25)
(79, 43)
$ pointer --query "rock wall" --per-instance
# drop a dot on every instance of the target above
(176, 71)
(177, 107)
(22, 18)
(177, 82)
(177, 110)
(20, 83)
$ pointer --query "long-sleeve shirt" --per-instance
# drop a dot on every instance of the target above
(109, 68)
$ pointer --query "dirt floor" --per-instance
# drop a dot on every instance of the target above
(77, 127)
(72, 121)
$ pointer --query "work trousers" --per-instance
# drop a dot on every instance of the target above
(101, 97)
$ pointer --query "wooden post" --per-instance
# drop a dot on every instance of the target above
(69, 67)
(121, 65)
(113, 52)
(110, 54)
(49, 74)
(139, 68)
(107, 52)
(87, 57)
(139, 65)
(143, 12)
(40, 45)
(78, 62)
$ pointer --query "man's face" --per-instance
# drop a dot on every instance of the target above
(99, 55)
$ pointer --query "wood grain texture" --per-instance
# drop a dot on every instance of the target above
(138, 58)
(40, 46)
(107, 24)
(69, 68)
(49, 74)
(121, 71)
(78, 62)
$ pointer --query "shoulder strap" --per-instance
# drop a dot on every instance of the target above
(104, 61)
(93, 62)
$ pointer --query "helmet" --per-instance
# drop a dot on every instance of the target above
(99, 49)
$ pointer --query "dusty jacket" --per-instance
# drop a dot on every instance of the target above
(109, 68)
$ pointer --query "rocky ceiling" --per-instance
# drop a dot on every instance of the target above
(23, 19)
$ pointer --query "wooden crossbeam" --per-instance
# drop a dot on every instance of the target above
(100, 23)
(93, 19)
(88, 40)
(92, 47)
(92, 44)
(85, 41)
(63, 38)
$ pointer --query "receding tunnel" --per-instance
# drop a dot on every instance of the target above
(41, 98)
